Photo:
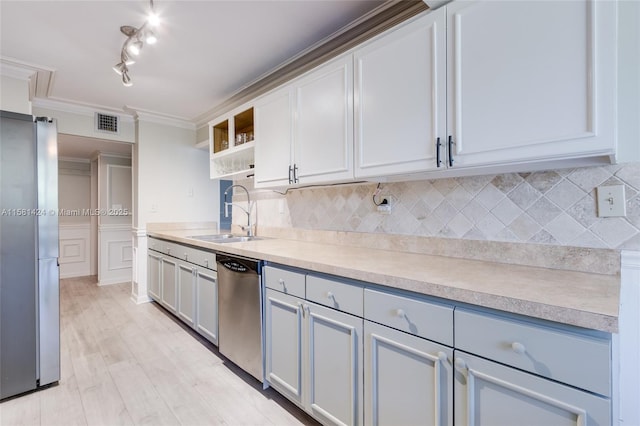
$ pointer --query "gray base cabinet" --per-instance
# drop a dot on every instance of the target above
(334, 365)
(488, 393)
(207, 304)
(184, 281)
(186, 293)
(314, 357)
(283, 342)
(408, 380)
(169, 284)
(354, 353)
(154, 265)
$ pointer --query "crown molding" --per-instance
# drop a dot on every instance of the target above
(80, 109)
(167, 120)
(384, 17)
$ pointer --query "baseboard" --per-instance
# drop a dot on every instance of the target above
(114, 281)
(139, 300)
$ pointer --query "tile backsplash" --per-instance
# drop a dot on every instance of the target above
(555, 207)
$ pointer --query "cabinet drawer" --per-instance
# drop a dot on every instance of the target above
(155, 244)
(339, 295)
(286, 281)
(203, 258)
(577, 359)
(422, 318)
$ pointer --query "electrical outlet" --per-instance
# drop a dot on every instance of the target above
(386, 204)
(611, 201)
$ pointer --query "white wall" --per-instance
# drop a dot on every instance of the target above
(14, 95)
(80, 121)
(171, 179)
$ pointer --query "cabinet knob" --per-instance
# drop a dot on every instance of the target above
(168, 250)
(206, 262)
(330, 295)
(518, 348)
(281, 281)
(186, 256)
(400, 313)
(442, 356)
(460, 365)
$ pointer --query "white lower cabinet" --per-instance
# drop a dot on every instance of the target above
(182, 280)
(488, 393)
(314, 357)
(408, 380)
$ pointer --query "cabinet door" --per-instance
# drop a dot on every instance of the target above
(530, 80)
(154, 262)
(334, 363)
(323, 137)
(273, 128)
(207, 305)
(400, 99)
(169, 288)
(283, 344)
(407, 380)
(488, 393)
(186, 293)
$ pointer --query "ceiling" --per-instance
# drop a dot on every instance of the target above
(79, 147)
(206, 50)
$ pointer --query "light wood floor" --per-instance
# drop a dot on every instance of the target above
(134, 364)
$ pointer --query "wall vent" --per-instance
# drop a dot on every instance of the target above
(107, 123)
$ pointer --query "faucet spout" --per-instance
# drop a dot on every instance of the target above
(247, 211)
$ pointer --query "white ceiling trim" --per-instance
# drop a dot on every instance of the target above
(80, 109)
(150, 117)
(16, 68)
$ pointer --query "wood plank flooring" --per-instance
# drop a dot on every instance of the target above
(127, 364)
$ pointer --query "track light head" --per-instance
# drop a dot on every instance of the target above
(134, 43)
(120, 68)
(134, 47)
(150, 37)
(126, 80)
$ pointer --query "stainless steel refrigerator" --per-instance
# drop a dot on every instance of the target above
(29, 270)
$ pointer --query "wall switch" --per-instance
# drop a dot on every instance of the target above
(611, 201)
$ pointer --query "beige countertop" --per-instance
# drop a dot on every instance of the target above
(577, 298)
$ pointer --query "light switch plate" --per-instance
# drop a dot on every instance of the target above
(611, 201)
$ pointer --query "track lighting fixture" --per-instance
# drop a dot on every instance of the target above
(136, 37)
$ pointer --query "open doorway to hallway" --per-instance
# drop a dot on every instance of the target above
(95, 208)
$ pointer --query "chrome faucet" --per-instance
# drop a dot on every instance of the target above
(249, 227)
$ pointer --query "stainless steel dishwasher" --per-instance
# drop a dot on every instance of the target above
(240, 313)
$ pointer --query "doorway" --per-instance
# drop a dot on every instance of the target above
(95, 208)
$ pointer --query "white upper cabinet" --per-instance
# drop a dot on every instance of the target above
(483, 86)
(306, 129)
(323, 142)
(400, 93)
(231, 143)
(530, 80)
(274, 120)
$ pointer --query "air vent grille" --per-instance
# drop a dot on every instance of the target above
(106, 123)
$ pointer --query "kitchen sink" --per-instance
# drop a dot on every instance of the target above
(225, 238)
